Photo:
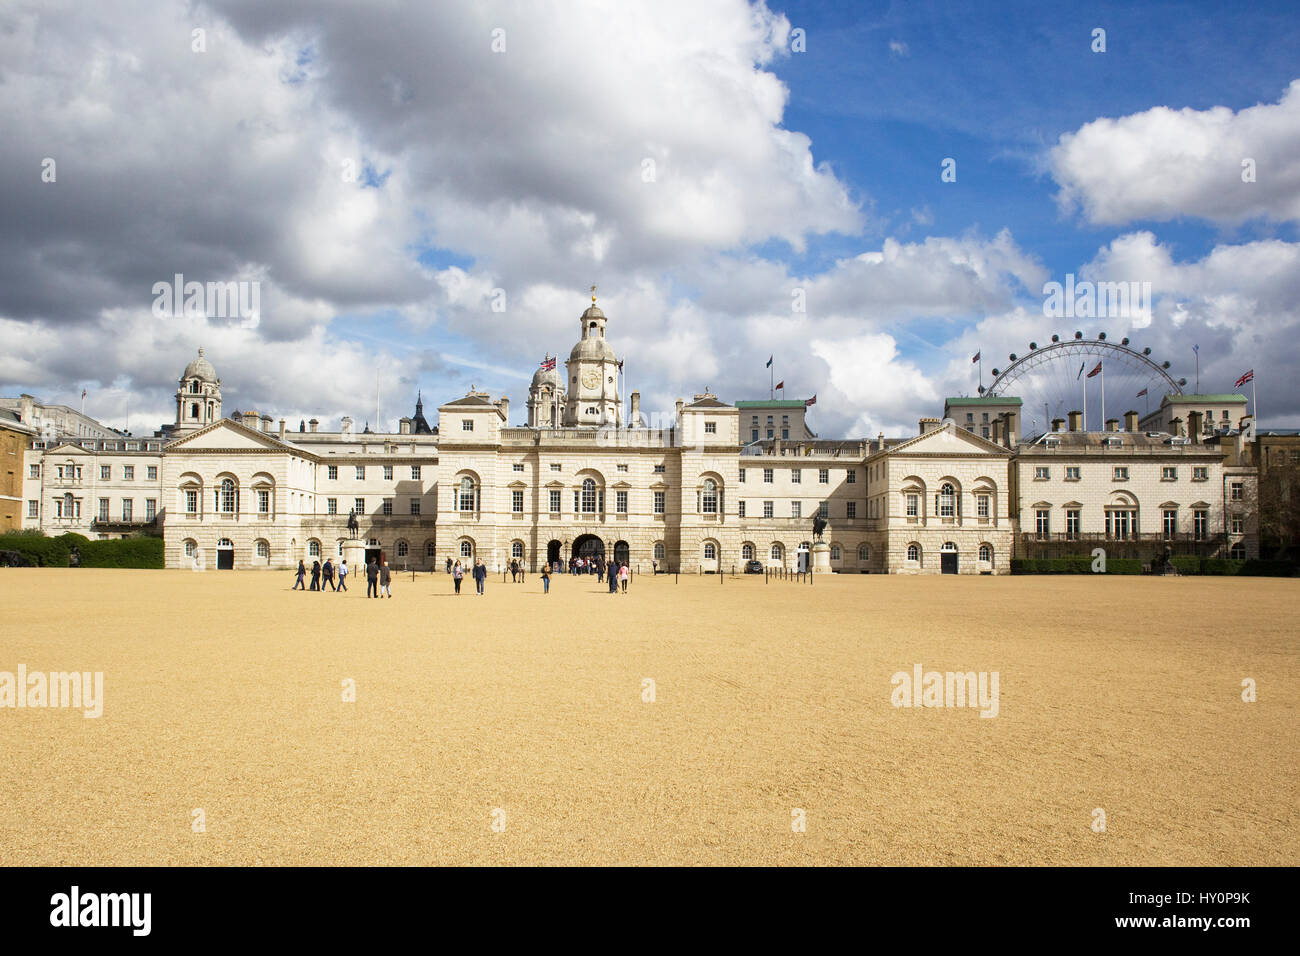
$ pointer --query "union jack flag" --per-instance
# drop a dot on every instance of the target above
(1248, 377)
(548, 363)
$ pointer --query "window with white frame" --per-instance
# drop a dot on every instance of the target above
(517, 550)
(946, 504)
(430, 549)
(864, 553)
(1169, 473)
(191, 501)
(710, 551)
(1200, 524)
(403, 549)
(1072, 517)
(33, 509)
(465, 500)
(415, 506)
(151, 473)
(913, 505)
(777, 552)
(836, 554)
(913, 553)
(388, 472)
(1237, 525)
(796, 476)
(517, 467)
(227, 497)
(360, 472)
(103, 509)
(659, 497)
(1121, 523)
(659, 469)
(747, 552)
(1121, 473)
(1236, 490)
(740, 478)
(740, 509)
(359, 505)
(554, 501)
(768, 475)
(1200, 473)
(621, 467)
(1043, 522)
(128, 472)
(1237, 552)
(331, 506)
(659, 551)
(620, 502)
(150, 509)
(709, 497)
(467, 424)
(415, 472)
(850, 509)
(33, 471)
(1042, 473)
(986, 553)
(332, 472)
(1169, 522)
(556, 466)
(313, 548)
(517, 501)
(796, 509)
(767, 509)
(466, 549)
(824, 509)
(191, 546)
(588, 496)
(710, 428)
(982, 506)
(824, 476)
(387, 507)
(263, 550)
(1071, 472)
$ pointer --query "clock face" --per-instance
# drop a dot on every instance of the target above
(590, 378)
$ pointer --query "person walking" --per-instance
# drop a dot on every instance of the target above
(328, 572)
(315, 575)
(457, 573)
(449, 565)
(600, 570)
(623, 575)
(480, 575)
(514, 572)
(613, 581)
(385, 579)
(302, 573)
(372, 579)
(546, 579)
(343, 575)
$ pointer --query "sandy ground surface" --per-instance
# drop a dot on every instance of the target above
(223, 691)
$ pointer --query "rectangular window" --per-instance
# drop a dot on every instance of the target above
(191, 502)
(659, 502)
(1043, 522)
(105, 472)
(824, 476)
(151, 473)
(467, 424)
(263, 502)
(332, 472)
(796, 509)
(740, 506)
(361, 472)
(128, 508)
(1121, 473)
(796, 476)
(415, 472)
(33, 471)
(824, 509)
(387, 507)
(620, 502)
(415, 506)
(331, 506)
(33, 509)
(103, 509)
(1042, 473)
(769, 433)
(517, 502)
(851, 476)
(1169, 522)
(741, 478)
(753, 435)
(785, 434)
(1121, 524)
(517, 467)
(388, 472)
(984, 431)
(850, 509)
(767, 509)
(555, 466)
(1200, 474)
(913, 505)
(981, 506)
(1236, 491)
(150, 508)
(622, 468)
(554, 500)
(1238, 525)
(128, 472)
(710, 428)
(359, 505)
(1072, 473)
(1072, 524)
(1168, 473)
(659, 469)
(767, 476)
(1200, 524)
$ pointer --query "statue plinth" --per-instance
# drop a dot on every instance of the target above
(354, 552)
(821, 557)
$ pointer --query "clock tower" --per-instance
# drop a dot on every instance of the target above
(592, 397)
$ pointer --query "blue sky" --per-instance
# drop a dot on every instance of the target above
(480, 175)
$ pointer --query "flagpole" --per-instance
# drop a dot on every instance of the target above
(771, 379)
(1085, 403)
(1254, 405)
(1103, 395)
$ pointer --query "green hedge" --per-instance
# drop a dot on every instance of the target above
(1073, 564)
(48, 552)
(1259, 567)
(1186, 563)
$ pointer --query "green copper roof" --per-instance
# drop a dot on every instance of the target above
(983, 400)
(1202, 399)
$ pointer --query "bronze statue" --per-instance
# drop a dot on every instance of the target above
(819, 525)
(353, 525)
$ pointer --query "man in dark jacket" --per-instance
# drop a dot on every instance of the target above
(480, 575)
(315, 575)
(372, 579)
(385, 579)
(328, 572)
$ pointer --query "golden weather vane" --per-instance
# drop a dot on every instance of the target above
(593, 295)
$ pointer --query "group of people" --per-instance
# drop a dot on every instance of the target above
(378, 577)
(478, 572)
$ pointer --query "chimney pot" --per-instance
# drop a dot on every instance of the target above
(1058, 424)
(1076, 421)
(1131, 421)
(1112, 424)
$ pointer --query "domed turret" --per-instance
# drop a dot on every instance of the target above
(201, 369)
(198, 396)
(593, 374)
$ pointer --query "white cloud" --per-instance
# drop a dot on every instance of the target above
(1164, 164)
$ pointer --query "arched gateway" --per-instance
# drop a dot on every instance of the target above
(588, 546)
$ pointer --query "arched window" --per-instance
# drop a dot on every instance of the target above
(946, 504)
(710, 551)
(709, 497)
(466, 498)
(313, 548)
(986, 552)
(430, 549)
(263, 550)
(914, 552)
(194, 409)
(517, 550)
(227, 496)
(191, 546)
(747, 552)
(660, 551)
(836, 554)
(777, 552)
(467, 549)
(864, 553)
(403, 549)
(588, 496)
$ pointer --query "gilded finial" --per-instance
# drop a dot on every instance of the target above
(593, 295)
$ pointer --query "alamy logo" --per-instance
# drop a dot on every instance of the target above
(216, 300)
(75, 689)
(1096, 300)
(103, 909)
(946, 689)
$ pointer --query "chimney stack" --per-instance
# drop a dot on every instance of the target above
(1112, 424)
(679, 410)
(927, 425)
(252, 420)
(504, 405)
(1011, 429)
(1130, 421)
(880, 442)
(404, 426)
(1194, 426)
(997, 431)
(1058, 424)
(282, 429)
(1076, 421)
(636, 408)
(313, 424)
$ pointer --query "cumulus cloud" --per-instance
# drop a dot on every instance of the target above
(1163, 164)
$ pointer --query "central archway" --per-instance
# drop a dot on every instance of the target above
(552, 553)
(588, 546)
(622, 552)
